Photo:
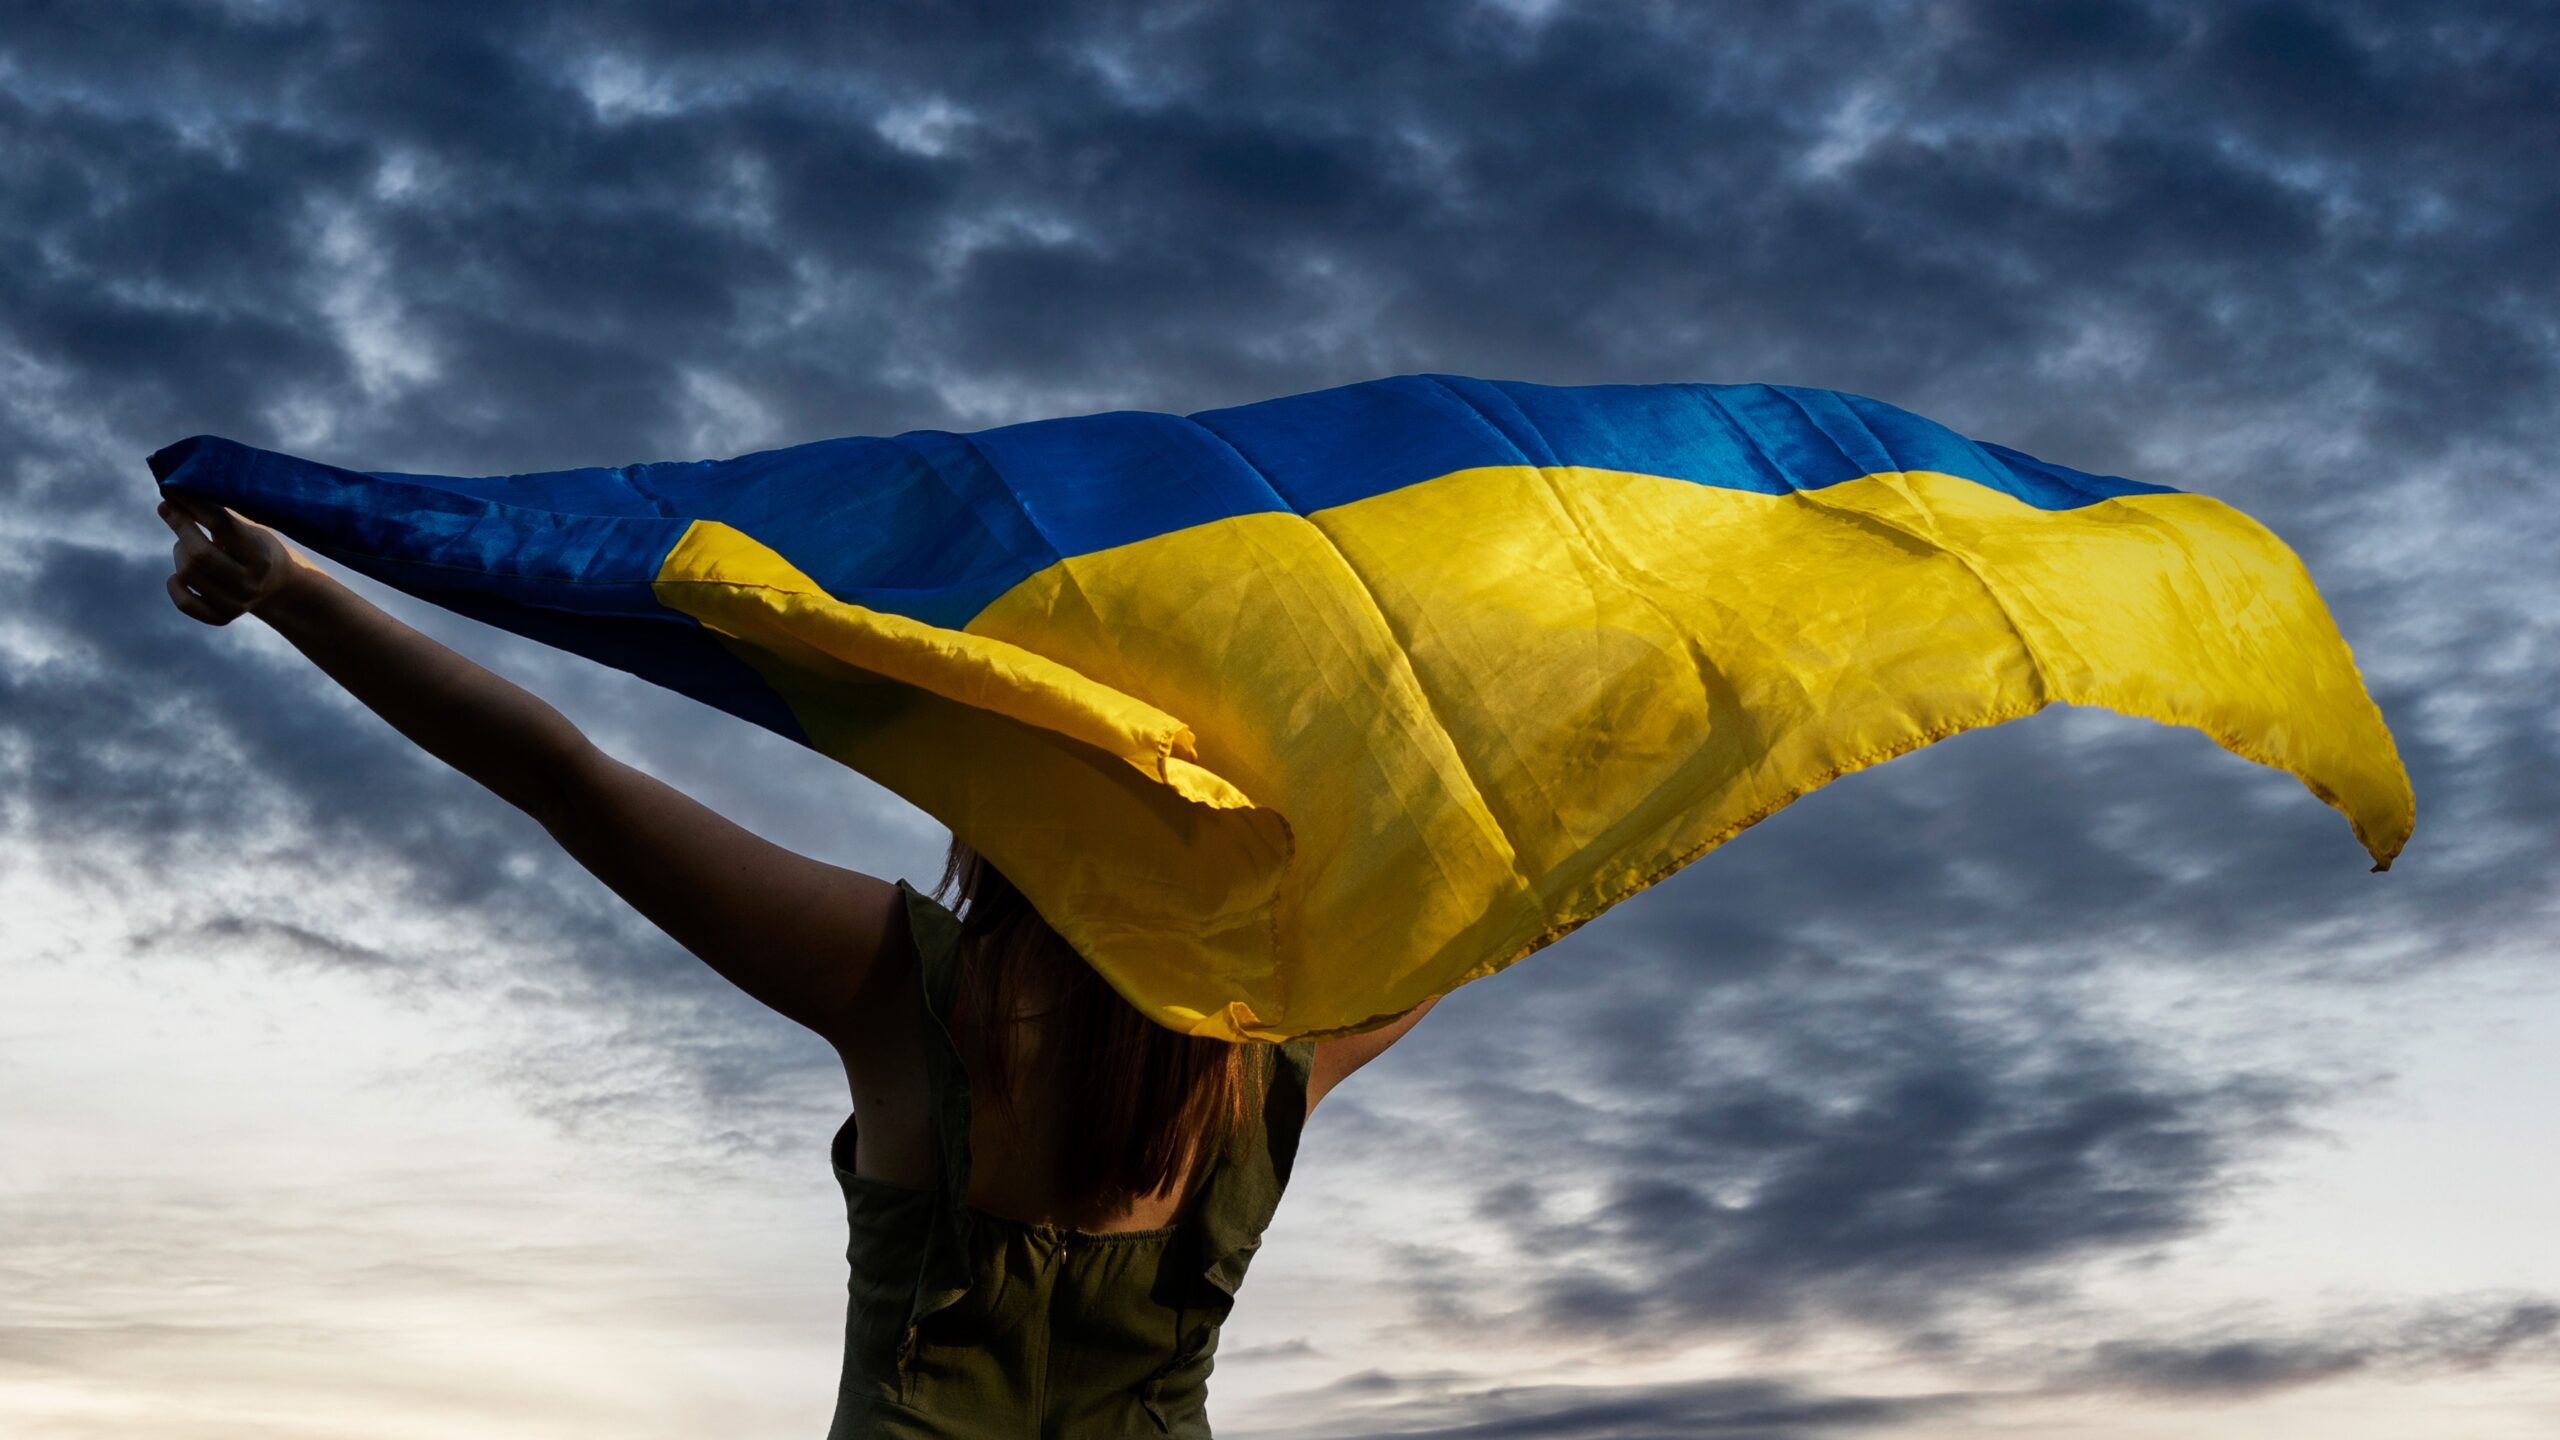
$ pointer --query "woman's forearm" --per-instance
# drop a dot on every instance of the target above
(481, 724)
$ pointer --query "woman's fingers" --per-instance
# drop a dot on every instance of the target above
(202, 571)
(219, 523)
(176, 517)
(207, 569)
(193, 549)
(198, 607)
(213, 517)
(237, 568)
(258, 557)
(210, 520)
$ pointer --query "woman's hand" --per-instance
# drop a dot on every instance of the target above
(229, 566)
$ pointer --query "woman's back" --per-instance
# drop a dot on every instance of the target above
(971, 1319)
(1018, 1149)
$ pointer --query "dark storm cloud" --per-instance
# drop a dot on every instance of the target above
(1203, 218)
(1377, 1403)
(2442, 1338)
(1858, 1064)
(279, 938)
(1866, 1140)
(2227, 1368)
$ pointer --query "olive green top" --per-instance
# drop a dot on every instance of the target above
(966, 1324)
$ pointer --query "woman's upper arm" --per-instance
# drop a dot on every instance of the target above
(1335, 1059)
(801, 935)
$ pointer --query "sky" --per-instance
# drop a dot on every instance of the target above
(2071, 1078)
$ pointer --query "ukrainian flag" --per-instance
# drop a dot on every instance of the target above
(1293, 715)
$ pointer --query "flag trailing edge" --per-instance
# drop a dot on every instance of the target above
(1292, 715)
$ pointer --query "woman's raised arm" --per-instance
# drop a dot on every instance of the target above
(798, 934)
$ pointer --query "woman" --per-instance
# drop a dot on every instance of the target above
(1052, 1199)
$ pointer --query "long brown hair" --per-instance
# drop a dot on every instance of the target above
(1141, 1100)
